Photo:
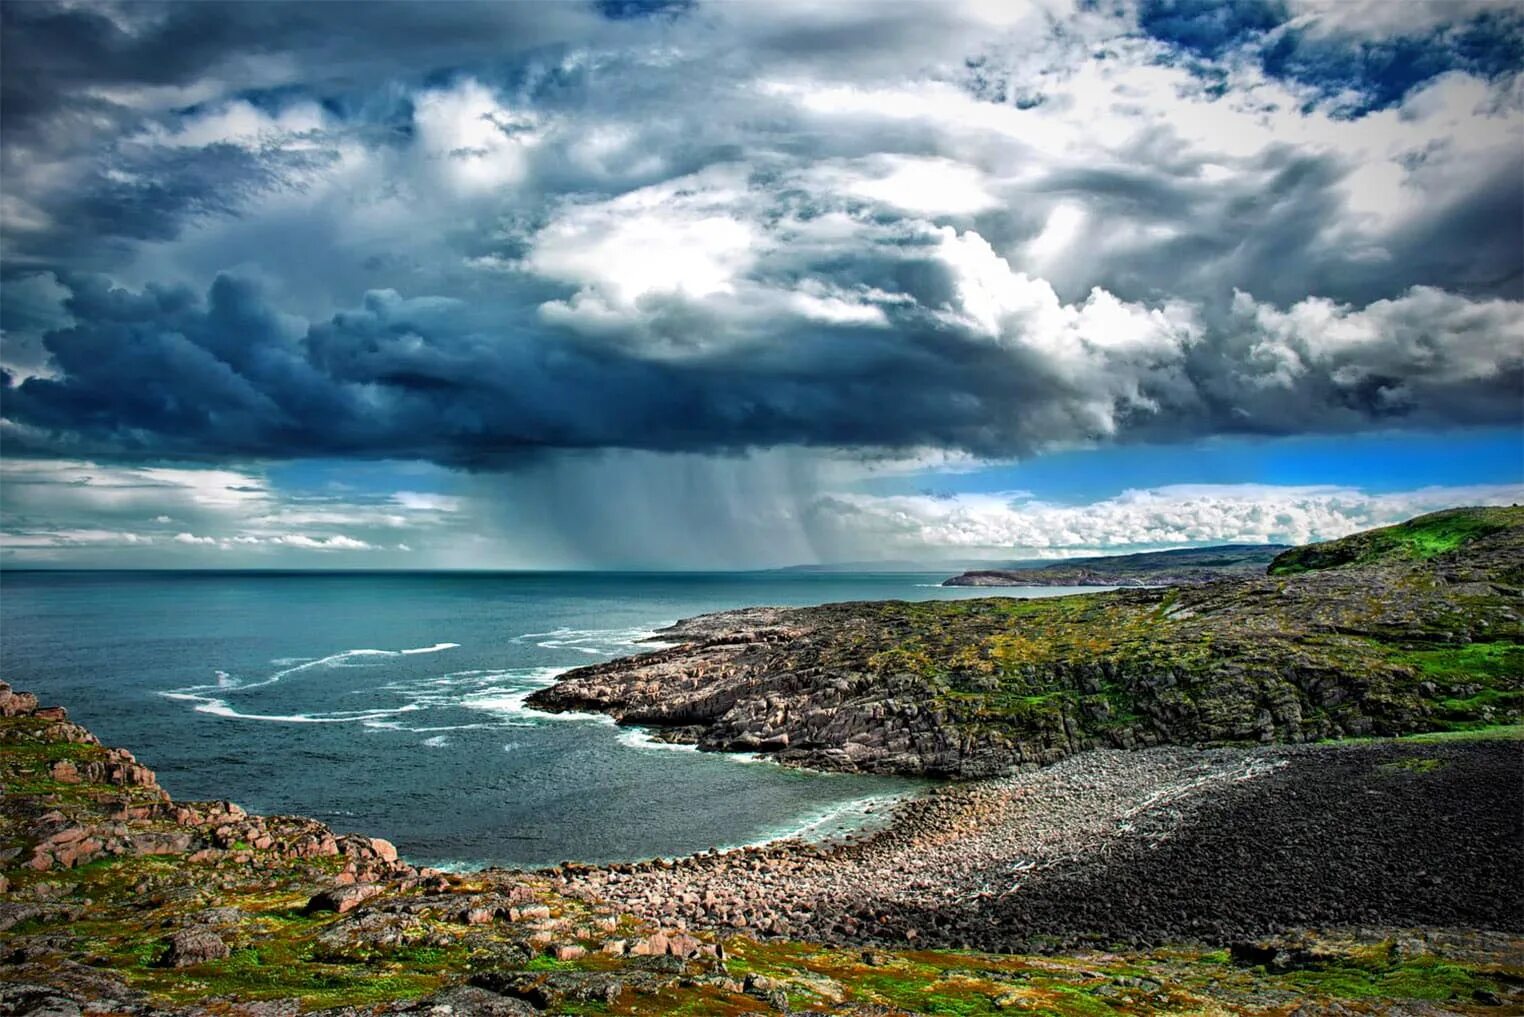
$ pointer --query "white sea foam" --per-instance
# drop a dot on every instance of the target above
(226, 683)
(511, 700)
(437, 742)
(593, 642)
(640, 738)
(221, 708)
(835, 820)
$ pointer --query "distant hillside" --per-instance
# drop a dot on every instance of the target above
(892, 565)
(1415, 540)
(1188, 566)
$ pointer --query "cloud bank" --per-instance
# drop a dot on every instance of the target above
(516, 239)
(1063, 226)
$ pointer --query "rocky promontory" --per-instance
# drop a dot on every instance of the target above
(1419, 629)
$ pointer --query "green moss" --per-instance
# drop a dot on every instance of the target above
(1505, 732)
(544, 963)
(1418, 764)
(1425, 978)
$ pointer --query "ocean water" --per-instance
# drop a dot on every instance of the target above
(393, 703)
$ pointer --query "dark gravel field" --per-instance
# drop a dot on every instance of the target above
(1140, 848)
(1385, 834)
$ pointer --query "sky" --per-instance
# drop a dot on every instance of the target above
(703, 285)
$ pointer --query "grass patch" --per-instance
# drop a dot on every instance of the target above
(1418, 764)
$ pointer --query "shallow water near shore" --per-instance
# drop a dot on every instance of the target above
(393, 703)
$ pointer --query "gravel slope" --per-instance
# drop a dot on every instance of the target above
(1142, 847)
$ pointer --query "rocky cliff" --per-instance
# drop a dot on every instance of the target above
(1380, 633)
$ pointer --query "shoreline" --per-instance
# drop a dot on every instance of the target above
(1052, 826)
(1074, 877)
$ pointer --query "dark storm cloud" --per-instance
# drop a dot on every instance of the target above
(56, 54)
(482, 233)
(165, 373)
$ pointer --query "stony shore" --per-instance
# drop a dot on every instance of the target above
(1234, 881)
(1139, 848)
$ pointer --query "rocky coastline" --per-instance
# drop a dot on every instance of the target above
(1175, 879)
(1384, 643)
(1151, 821)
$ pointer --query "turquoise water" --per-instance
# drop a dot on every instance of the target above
(392, 703)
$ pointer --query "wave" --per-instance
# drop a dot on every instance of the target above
(852, 816)
(640, 738)
(506, 701)
(593, 642)
(340, 659)
(436, 648)
(222, 708)
(228, 684)
(437, 742)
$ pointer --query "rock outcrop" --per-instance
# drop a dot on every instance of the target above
(1382, 645)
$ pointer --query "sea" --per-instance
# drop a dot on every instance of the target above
(393, 704)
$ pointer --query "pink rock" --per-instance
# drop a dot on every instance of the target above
(65, 772)
(342, 899)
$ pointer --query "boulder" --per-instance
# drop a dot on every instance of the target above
(342, 899)
(195, 945)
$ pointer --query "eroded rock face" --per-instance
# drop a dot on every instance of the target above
(985, 688)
